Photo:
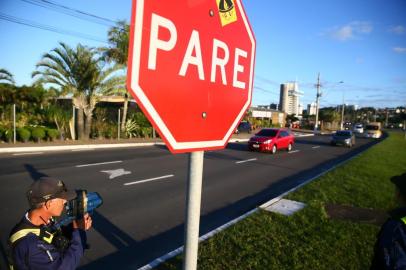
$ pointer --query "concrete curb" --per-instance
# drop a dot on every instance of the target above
(73, 147)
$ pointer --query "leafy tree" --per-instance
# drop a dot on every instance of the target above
(5, 75)
(329, 115)
(290, 118)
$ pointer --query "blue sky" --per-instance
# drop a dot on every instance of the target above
(362, 43)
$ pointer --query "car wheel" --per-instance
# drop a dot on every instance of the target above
(289, 147)
(274, 149)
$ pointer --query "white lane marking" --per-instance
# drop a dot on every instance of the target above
(116, 173)
(149, 180)
(77, 150)
(28, 153)
(96, 164)
(247, 160)
(294, 151)
(317, 146)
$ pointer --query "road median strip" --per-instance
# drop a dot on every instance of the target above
(310, 238)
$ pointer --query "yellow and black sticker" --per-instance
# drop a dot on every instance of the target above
(227, 11)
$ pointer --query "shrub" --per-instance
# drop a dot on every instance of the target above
(52, 133)
(109, 132)
(8, 135)
(23, 134)
(2, 130)
(38, 133)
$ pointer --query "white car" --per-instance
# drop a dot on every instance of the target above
(358, 128)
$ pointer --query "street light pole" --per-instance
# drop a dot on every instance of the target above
(318, 95)
(342, 115)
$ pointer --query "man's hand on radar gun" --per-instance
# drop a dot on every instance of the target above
(85, 223)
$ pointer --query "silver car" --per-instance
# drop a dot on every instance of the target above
(358, 128)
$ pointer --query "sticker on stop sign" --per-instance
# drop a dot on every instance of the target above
(191, 68)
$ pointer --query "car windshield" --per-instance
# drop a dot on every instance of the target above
(343, 133)
(372, 127)
(267, 133)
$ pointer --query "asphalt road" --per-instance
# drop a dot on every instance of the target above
(144, 191)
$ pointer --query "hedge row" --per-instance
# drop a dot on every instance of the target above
(26, 134)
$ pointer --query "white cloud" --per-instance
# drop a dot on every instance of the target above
(351, 30)
(399, 49)
(398, 29)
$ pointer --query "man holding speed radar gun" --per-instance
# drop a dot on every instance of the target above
(52, 234)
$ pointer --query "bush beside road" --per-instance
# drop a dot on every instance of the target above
(315, 237)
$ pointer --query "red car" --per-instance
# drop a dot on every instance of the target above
(271, 140)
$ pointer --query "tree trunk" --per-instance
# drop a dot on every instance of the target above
(88, 126)
(81, 124)
(124, 117)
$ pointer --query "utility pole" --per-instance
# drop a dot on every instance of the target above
(342, 114)
(318, 95)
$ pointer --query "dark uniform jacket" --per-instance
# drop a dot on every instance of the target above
(390, 247)
(30, 252)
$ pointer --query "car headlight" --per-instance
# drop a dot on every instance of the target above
(347, 140)
(268, 141)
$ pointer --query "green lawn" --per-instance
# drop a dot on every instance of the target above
(309, 239)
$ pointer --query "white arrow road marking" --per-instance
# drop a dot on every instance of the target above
(317, 146)
(294, 151)
(149, 180)
(96, 164)
(247, 160)
(116, 173)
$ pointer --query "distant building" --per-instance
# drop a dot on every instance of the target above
(272, 106)
(276, 118)
(289, 98)
(311, 108)
(300, 110)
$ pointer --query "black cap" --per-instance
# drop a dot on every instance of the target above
(400, 182)
(47, 188)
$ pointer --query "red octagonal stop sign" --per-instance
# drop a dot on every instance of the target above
(191, 68)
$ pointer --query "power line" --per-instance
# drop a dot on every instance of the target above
(72, 12)
(13, 19)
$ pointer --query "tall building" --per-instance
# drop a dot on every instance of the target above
(311, 108)
(289, 98)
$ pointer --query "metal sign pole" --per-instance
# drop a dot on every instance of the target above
(193, 200)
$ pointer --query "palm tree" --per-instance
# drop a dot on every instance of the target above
(103, 81)
(79, 72)
(5, 75)
(118, 38)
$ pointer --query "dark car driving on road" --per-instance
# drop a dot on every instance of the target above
(343, 137)
(271, 140)
(244, 127)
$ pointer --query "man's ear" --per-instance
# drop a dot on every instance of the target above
(47, 204)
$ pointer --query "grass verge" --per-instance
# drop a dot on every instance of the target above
(309, 239)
